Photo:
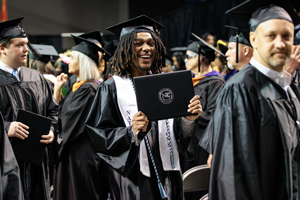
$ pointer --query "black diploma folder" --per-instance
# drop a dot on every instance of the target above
(164, 96)
(30, 149)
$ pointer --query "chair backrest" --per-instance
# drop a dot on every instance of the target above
(205, 197)
(196, 179)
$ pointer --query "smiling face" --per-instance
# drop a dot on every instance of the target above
(15, 55)
(144, 47)
(272, 42)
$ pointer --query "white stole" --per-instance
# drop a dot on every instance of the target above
(126, 99)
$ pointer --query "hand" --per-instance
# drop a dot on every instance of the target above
(293, 62)
(139, 122)
(17, 129)
(61, 81)
(194, 107)
(47, 138)
(209, 160)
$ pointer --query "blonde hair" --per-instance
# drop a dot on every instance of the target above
(87, 67)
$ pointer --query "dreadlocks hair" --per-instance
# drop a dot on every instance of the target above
(125, 55)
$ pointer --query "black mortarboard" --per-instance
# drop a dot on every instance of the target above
(178, 49)
(88, 48)
(12, 29)
(141, 23)
(93, 36)
(238, 37)
(46, 52)
(241, 39)
(248, 15)
(110, 48)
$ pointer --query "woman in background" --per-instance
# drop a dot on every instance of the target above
(79, 172)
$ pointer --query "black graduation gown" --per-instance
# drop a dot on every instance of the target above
(255, 140)
(113, 141)
(10, 181)
(295, 85)
(32, 94)
(208, 89)
(79, 174)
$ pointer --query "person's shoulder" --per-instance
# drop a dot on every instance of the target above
(91, 85)
(29, 74)
(248, 76)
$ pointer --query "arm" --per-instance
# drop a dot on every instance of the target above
(106, 128)
(61, 81)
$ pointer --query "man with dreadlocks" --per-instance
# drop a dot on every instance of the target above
(142, 164)
(27, 89)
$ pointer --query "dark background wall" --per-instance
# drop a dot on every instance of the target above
(46, 20)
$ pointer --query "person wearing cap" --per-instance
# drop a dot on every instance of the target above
(245, 51)
(256, 121)
(95, 37)
(79, 172)
(178, 58)
(207, 84)
(24, 88)
(43, 64)
(139, 168)
(110, 48)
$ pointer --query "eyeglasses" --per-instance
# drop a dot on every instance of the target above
(187, 56)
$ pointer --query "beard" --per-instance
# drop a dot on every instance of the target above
(277, 62)
(229, 65)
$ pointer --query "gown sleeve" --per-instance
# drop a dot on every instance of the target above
(106, 128)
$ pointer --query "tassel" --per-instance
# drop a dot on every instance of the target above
(162, 191)
(172, 160)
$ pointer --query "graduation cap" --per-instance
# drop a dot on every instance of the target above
(46, 51)
(88, 48)
(178, 49)
(13, 29)
(110, 48)
(202, 47)
(222, 46)
(141, 23)
(238, 37)
(93, 36)
(248, 15)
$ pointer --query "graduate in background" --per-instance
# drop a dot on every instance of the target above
(141, 167)
(208, 83)
(79, 172)
(21, 87)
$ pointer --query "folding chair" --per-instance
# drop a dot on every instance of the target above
(196, 179)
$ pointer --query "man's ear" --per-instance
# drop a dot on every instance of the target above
(252, 37)
(245, 51)
(2, 50)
